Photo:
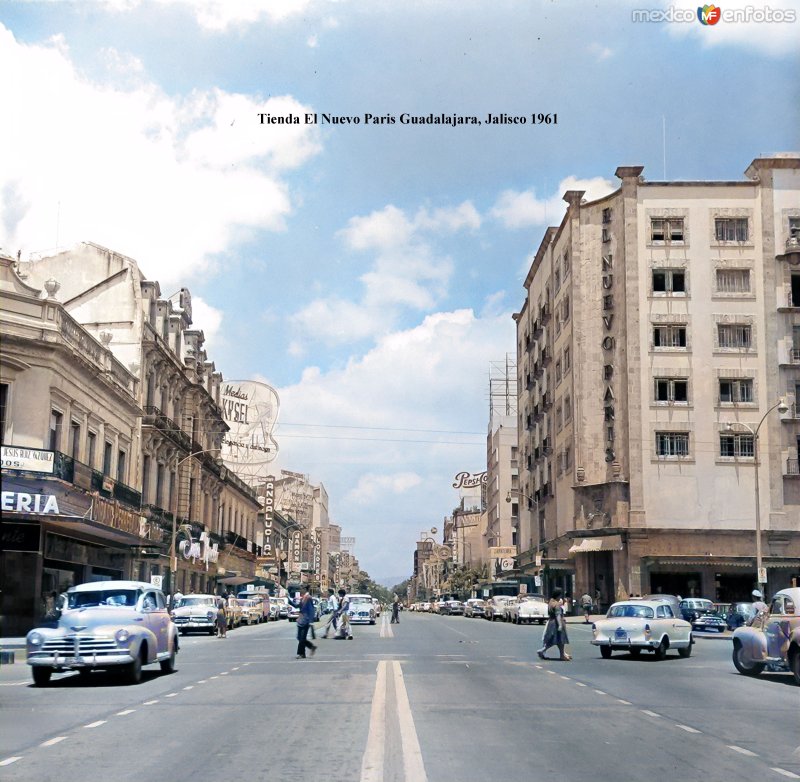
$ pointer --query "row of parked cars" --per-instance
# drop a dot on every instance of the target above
(523, 609)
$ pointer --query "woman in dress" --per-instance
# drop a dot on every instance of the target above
(555, 634)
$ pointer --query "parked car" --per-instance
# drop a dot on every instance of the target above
(251, 612)
(772, 642)
(106, 625)
(294, 612)
(634, 625)
(495, 607)
(196, 612)
(261, 599)
(473, 607)
(527, 609)
(283, 607)
(274, 610)
(735, 614)
(693, 607)
(361, 610)
(426, 607)
(234, 612)
(455, 608)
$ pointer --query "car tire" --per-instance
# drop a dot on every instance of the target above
(134, 670)
(752, 669)
(41, 675)
(635, 651)
(687, 651)
(605, 652)
(168, 665)
(660, 652)
(722, 629)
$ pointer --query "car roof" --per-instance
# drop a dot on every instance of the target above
(793, 592)
(641, 602)
(93, 586)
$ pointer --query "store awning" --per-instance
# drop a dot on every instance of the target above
(86, 529)
(235, 580)
(589, 545)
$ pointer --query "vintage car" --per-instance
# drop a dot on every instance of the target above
(251, 611)
(196, 612)
(634, 625)
(455, 608)
(495, 607)
(294, 612)
(527, 609)
(473, 607)
(361, 610)
(736, 614)
(772, 642)
(702, 615)
(282, 604)
(261, 599)
(234, 612)
(105, 625)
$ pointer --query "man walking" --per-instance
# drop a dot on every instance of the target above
(304, 620)
(586, 604)
(395, 611)
(333, 604)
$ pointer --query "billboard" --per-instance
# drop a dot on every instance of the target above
(250, 409)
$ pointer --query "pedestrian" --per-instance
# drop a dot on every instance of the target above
(760, 608)
(333, 604)
(176, 599)
(555, 633)
(395, 611)
(343, 617)
(586, 604)
(304, 620)
(222, 618)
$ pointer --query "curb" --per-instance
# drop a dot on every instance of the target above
(7, 657)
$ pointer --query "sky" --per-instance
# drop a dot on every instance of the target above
(368, 270)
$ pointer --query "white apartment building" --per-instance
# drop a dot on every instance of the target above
(660, 330)
(502, 483)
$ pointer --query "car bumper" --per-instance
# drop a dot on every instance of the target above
(634, 643)
(81, 661)
(195, 624)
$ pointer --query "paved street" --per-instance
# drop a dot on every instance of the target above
(433, 698)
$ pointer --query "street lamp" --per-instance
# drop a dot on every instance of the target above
(173, 560)
(782, 407)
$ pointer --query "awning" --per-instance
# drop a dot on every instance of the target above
(236, 580)
(589, 545)
(86, 529)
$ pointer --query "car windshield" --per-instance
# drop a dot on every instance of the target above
(631, 610)
(185, 602)
(103, 597)
(360, 600)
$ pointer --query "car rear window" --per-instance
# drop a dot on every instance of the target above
(631, 611)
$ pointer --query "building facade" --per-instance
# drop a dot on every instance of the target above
(655, 344)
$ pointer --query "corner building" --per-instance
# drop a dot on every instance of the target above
(661, 324)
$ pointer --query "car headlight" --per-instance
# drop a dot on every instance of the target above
(35, 639)
(122, 636)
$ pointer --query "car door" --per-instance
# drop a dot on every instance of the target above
(677, 629)
(157, 617)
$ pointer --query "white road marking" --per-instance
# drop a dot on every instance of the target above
(538, 667)
(565, 678)
(215, 677)
(687, 728)
(149, 703)
(95, 724)
(125, 713)
(235, 669)
(189, 687)
(650, 713)
(786, 773)
(372, 762)
(14, 684)
(742, 751)
(600, 692)
(580, 684)
(624, 703)
(224, 673)
(552, 673)
(171, 695)
(50, 742)
(202, 681)
(412, 754)
(9, 761)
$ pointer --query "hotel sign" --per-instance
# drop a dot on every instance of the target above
(29, 459)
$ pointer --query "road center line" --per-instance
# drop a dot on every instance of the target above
(50, 742)
(742, 751)
(9, 761)
(687, 728)
(600, 692)
(412, 754)
(624, 703)
(95, 724)
(149, 703)
(125, 713)
(372, 762)
(786, 773)
(650, 713)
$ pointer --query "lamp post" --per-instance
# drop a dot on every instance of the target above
(782, 407)
(173, 560)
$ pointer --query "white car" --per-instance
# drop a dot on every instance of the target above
(361, 610)
(196, 612)
(527, 609)
(634, 625)
(496, 606)
(106, 625)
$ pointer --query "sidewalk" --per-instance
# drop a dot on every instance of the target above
(9, 650)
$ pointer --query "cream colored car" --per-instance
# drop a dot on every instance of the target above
(631, 626)
(527, 609)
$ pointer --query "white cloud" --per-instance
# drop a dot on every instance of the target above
(199, 172)
(374, 487)
(600, 52)
(522, 209)
(738, 26)
(208, 319)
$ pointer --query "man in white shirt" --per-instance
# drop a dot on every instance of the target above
(333, 604)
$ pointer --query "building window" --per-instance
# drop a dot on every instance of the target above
(736, 444)
(558, 417)
(740, 390)
(733, 280)
(735, 335)
(669, 281)
(558, 372)
(107, 450)
(672, 443)
(556, 279)
(606, 216)
(74, 439)
(730, 229)
(606, 235)
(567, 409)
(794, 228)
(666, 230)
(56, 425)
(122, 459)
(566, 264)
(566, 360)
(669, 336)
(565, 309)
(668, 389)
(146, 480)
(4, 388)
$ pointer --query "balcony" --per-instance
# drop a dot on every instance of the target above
(791, 251)
(792, 468)
(72, 471)
(791, 300)
(155, 418)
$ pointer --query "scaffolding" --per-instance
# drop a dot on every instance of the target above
(503, 387)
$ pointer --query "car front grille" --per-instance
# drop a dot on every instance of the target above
(78, 645)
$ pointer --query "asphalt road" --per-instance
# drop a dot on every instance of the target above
(444, 699)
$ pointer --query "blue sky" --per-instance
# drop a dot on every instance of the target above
(367, 272)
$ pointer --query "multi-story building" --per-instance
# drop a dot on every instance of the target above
(659, 334)
(502, 485)
(201, 513)
(69, 427)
